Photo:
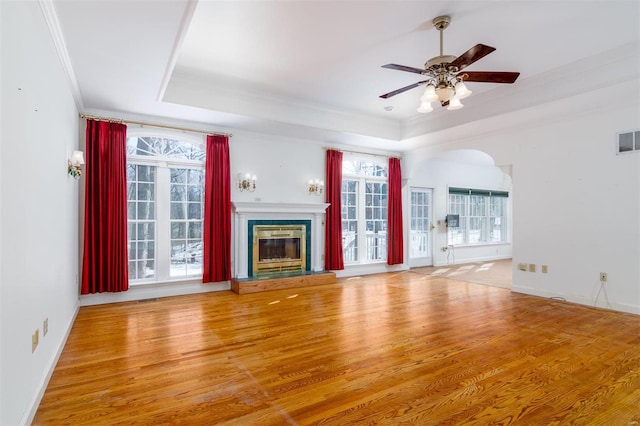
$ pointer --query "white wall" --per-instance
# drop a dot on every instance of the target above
(577, 209)
(471, 170)
(575, 202)
(39, 205)
(283, 166)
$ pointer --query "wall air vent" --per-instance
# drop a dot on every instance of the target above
(628, 142)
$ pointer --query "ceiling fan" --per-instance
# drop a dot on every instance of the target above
(445, 83)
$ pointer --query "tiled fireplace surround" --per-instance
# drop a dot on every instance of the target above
(249, 211)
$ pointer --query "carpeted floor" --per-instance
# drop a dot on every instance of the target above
(496, 273)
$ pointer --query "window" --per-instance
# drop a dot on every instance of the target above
(629, 142)
(482, 216)
(419, 244)
(165, 178)
(364, 211)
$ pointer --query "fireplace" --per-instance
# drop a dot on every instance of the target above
(279, 248)
(310, 216)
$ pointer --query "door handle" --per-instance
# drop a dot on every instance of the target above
(431, 227)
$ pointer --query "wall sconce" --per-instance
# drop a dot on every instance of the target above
(74, 163)
(316, 187)
(246, 182)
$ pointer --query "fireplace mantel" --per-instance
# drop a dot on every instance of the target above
(246, 211)
(296, 208)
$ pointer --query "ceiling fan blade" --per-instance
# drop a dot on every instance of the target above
(477, 52)
(404, 68)
(490, 76)
(404, 89)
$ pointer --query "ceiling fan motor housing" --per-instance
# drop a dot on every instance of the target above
(437, 60)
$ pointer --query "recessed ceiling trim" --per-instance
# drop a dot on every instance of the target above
(182, 32)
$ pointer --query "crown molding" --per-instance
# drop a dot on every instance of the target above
(51, 18)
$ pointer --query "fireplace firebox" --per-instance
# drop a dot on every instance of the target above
(279, 248)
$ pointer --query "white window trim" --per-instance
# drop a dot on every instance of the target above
(487, 224)
(162, 262)
(361, 212)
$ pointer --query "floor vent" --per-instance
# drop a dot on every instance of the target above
(148, 300)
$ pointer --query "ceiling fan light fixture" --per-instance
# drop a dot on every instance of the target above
(429, 94)
(462, 91)
(425, 107)
(455, 104)
(444, 93)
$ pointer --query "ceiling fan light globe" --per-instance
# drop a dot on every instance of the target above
(429, 94)
(455, 104)
(462, 91)
(425, 107)
(444, 93)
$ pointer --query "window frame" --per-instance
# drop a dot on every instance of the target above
(162, 207)
(487, 218)
(362, 249)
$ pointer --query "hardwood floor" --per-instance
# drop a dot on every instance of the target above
(401, 348)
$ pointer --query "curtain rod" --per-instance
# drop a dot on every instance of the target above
(363, 153)
(142, 123)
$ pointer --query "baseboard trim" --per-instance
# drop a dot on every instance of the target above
(35, 403)
(580, 300)
(472, 260)
(141, 292)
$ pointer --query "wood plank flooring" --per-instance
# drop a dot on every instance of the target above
(396, 349)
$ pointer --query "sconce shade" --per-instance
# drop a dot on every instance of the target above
(246, 182)
(77, 158)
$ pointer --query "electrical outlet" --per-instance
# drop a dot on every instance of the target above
(603, 277)
(45, 327)
(34, 340)
(532, 267)
(544, 269)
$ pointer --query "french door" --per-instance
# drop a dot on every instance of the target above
(421, 233)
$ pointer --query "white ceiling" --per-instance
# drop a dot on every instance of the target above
(313, 68)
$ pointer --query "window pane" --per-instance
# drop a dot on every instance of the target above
(625, 142)
(178, 176)
(196, 177)
(145, 191)
(178, 230)
(146, 231)
(376, 225)
(164, 148)
(195, 211)
(177, 210)
(178, 193)
(146, 210)
(195, 193)
(419, 237)
(349, 220)
(195, 230)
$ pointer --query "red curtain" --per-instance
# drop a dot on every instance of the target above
(217, 211)
(333, 259)
(105, 259)
(395, 245)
